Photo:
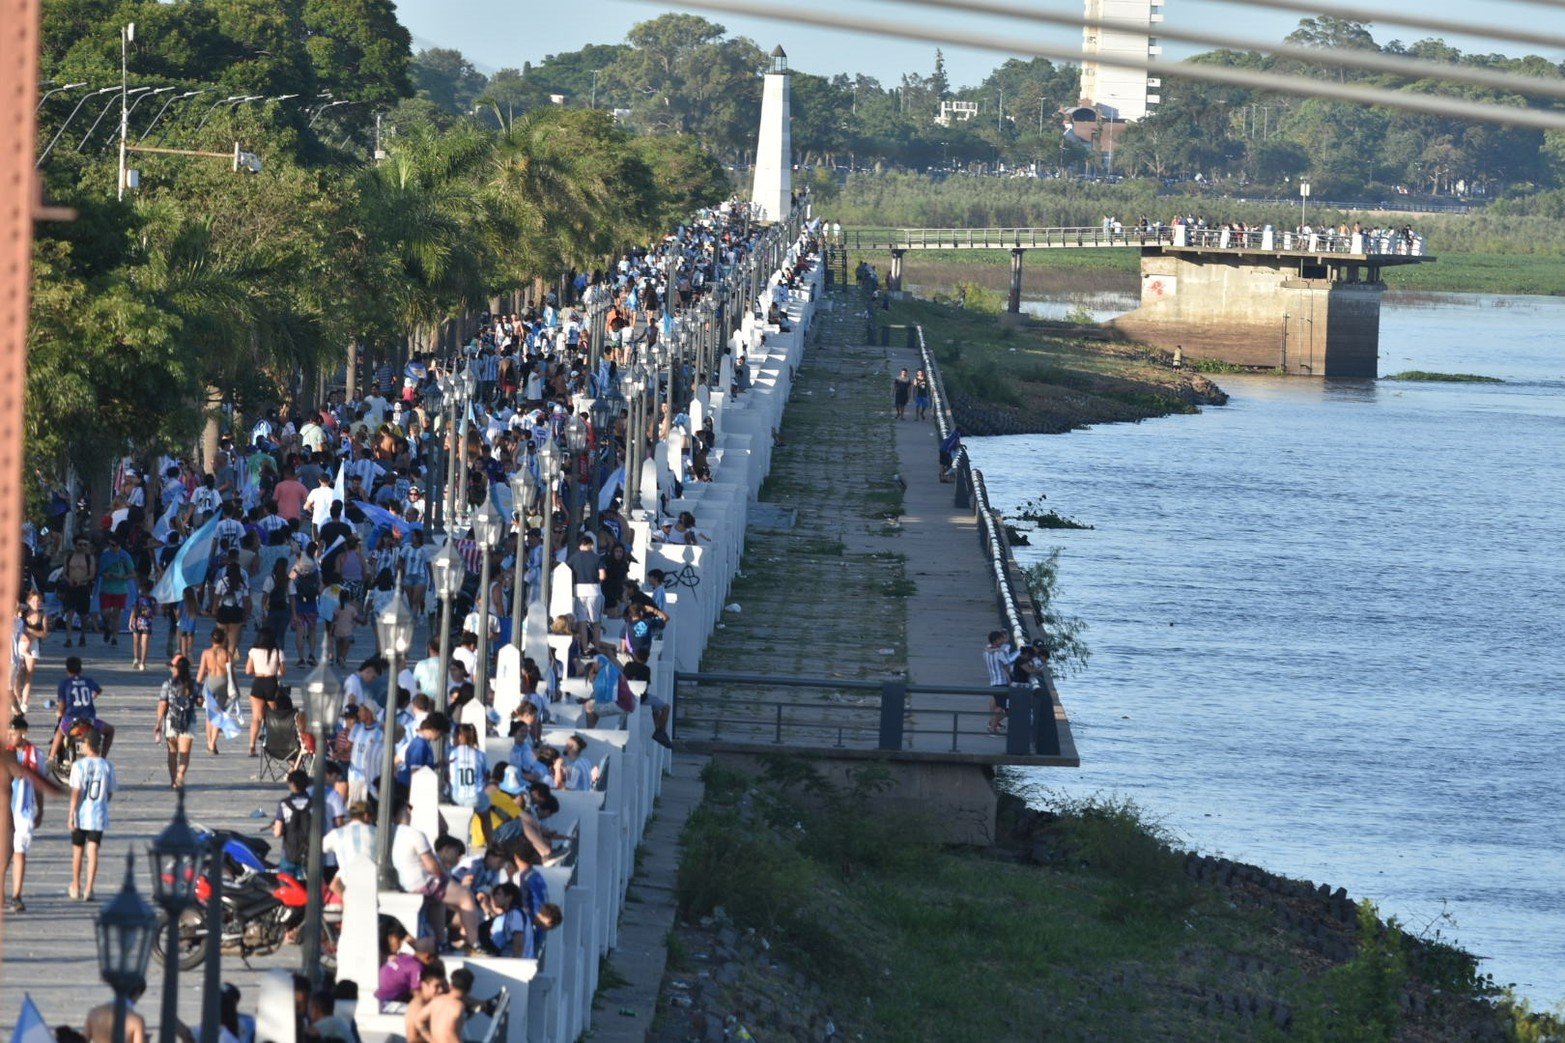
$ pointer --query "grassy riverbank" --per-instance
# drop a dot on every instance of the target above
(1023, 377)
(1083, 923)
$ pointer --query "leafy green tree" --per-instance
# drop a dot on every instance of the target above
(359, 50)
(448, 79)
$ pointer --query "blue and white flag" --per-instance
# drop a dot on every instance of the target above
(611, 488)
(30, 1026)
(190, 565)
(228, 719)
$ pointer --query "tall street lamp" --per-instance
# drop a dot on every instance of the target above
(212, 969)
(166, 104)
(322, 705)
(176, 862)
(487, 527)
(633, 386)
(394, 628)
(576, 445)
(550, 460)
(61, 132)
(448, 572)
(125, 931)
(604, 410)
(56, 90)
(524, 496)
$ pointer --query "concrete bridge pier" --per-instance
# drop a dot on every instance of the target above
(894, 277)
(1013, 303)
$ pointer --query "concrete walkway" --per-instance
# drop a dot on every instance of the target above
(949, 618)
(624, 1013)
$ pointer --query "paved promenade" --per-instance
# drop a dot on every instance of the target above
(868, 581)
(49, 950)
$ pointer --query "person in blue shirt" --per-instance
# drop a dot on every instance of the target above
(77, 700)
(467, 769)
(421, 749)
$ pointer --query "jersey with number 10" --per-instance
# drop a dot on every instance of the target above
(94, 778)
(469, 769)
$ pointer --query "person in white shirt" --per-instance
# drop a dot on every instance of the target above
(420, 872)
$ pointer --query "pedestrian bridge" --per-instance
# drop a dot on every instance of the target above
(1270, 298)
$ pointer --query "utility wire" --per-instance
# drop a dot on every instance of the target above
(1410, 101)
(1489, 30)
(1371, 61)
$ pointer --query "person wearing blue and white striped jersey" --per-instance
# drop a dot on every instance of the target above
(467, 769)
(364, 762)
(92, 787)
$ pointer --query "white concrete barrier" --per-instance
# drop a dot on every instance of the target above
(551, 998)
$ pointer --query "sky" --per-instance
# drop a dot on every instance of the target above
(498, 33)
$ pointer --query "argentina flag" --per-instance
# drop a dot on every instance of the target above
(190, 564)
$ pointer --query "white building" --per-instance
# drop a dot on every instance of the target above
(1118, 92)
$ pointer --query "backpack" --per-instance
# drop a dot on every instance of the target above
(307, 585)
(181, 707)
(492, 822)
(296, 829)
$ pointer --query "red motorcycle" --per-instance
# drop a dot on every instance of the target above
(262, 908)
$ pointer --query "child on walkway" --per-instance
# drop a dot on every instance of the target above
(92, 787)
(142, 612)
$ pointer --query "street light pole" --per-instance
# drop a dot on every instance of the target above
(394, 629)
(487, 524)
(524, 494)
(549, 463)
(176, 863)
(127, 34)
(212, 970)
(61, 132)
(447, 571)
(323, 702)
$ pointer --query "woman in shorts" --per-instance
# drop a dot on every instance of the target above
(214, 679)
(265, 663)
(177, 703)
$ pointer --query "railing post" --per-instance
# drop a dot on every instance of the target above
(1018, 723)
(1045, 729)
(778, 738)
(893, 703)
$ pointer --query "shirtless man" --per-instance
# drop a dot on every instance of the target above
(100, 1022)
(448, 1010)
(431, 985)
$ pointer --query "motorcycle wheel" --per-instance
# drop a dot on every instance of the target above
(60, 770)
(191, 951)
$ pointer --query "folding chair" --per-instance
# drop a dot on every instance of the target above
(282, 747)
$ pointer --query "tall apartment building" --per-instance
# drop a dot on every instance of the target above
(1120, 93)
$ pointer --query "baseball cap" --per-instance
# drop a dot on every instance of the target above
(511, 782)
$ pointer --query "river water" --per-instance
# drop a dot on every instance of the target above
(1325, 624)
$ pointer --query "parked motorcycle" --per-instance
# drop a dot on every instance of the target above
(263, 908)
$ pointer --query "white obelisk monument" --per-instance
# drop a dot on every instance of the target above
(772, 191)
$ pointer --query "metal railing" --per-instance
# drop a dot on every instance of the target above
(1016, 607)
(1005, 238)
(891, 715)
(1271, 240)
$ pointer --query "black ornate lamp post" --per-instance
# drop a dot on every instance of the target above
(633, 387)
(448, 572)
(604, 411)
(394, 628)
(322, 705)
(125, 930)
(524, 496)
(550, 461)
(487, 528)
(176, 863)
(576, 446)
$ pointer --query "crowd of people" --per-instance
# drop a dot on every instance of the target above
(309, 522)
